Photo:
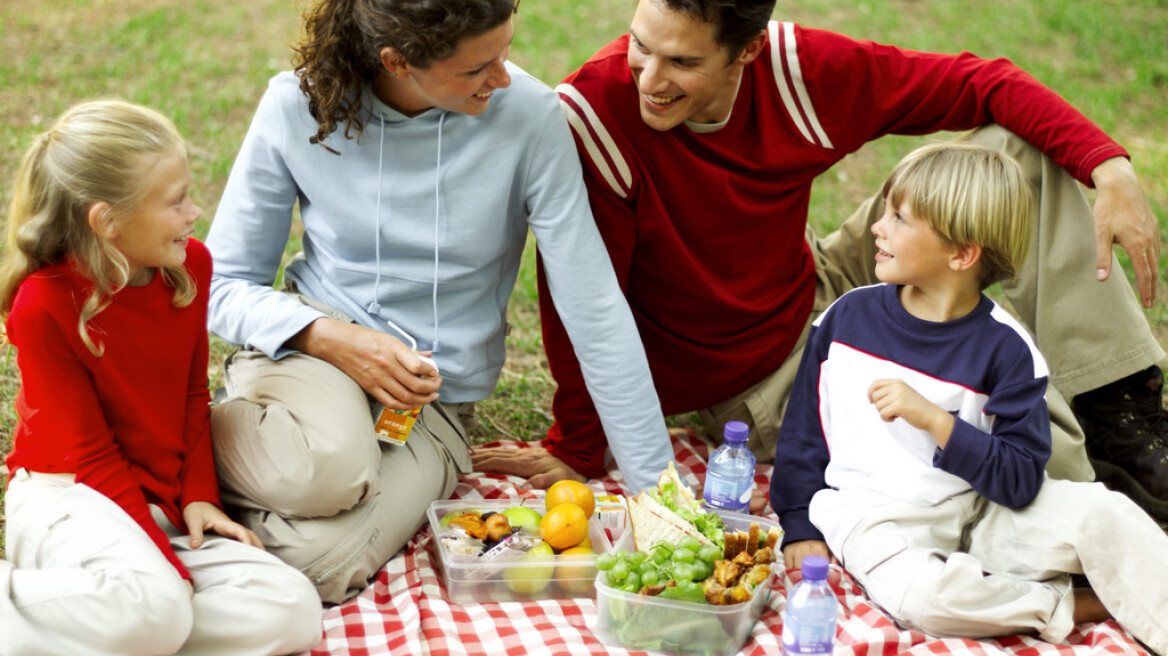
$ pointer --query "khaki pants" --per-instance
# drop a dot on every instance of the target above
(1091, 333)
(85, 579)
(970, 568)
(297, 455)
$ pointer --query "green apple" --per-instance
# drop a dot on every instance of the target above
(525, 518)
(533, 579)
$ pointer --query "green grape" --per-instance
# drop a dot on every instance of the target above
(618, 573)
(634, 580)
(702, 570)
(604, 562)
(707, 553)
(649, 578)
(661, 553)
(629, 588)
(681, 555)
(638, 557)
(646, 566)
(689, 542)
(683, 572)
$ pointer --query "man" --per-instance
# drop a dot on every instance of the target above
(701, 194)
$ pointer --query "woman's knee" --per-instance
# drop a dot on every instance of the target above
(293, 465)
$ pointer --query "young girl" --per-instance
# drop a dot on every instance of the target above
(104, 295)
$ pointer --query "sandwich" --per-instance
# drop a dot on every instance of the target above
(670, 512)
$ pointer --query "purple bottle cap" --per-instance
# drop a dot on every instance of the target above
(814, 568)
(736, 432)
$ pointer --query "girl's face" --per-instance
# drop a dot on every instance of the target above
(155, 233)
(464, 81)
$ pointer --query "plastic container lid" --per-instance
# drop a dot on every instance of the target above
(736, 432)
(815, 568)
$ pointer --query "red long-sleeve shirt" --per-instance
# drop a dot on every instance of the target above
(133, 424)
(706, 230)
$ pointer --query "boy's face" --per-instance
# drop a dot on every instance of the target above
(908, 250)
(681, 72)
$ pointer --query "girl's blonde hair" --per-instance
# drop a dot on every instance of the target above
(970, 195)
(97, 152)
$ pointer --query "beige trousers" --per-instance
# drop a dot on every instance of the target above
(970, 568)
(298, 457)
(85, 579)
(1091, 333)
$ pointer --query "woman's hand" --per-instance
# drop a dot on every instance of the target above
(380, 363)
(202, 517)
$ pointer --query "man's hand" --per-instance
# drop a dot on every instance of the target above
(379, 362)
(202, 517)
(1123, 216)
(536, 464)
(894, 399)
(794, 552)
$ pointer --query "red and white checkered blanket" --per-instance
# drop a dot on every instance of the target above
(405, 610)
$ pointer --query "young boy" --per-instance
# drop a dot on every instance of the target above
(917, 433)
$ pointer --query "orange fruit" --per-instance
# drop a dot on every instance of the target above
(564, 526)
(569, 491)
(576, 570)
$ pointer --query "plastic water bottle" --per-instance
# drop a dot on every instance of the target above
(809, 621)
(730, 471)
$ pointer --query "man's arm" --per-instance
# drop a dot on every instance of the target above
(906, 92)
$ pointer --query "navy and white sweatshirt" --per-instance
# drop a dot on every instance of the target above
(837, 460)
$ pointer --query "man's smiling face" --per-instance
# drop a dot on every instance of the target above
(681, 72)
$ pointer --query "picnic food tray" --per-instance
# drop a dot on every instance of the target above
(672, 626)
(468, 579)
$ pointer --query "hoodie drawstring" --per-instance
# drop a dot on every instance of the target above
(374, 307)
(437, 215)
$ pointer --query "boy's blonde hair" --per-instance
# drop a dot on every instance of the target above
(96, 152)
(969, 195)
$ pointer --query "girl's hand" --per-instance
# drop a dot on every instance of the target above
(201, 517)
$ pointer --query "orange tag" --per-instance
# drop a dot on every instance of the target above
(394, 426)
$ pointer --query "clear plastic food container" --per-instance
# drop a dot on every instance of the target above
(672, 626)
(514, 575)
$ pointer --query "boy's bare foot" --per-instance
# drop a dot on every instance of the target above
(1088, 608)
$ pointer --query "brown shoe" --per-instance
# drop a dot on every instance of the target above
(1127, 437)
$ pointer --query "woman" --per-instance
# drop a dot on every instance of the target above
(419, 158)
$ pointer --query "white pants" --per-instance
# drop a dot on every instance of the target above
(970, 568)
(84, 578)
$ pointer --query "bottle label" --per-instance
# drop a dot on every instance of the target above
(807, 637)
(726, 492)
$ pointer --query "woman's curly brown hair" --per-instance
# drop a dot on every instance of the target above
(341, 50)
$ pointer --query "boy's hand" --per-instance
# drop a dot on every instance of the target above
(201, 516)
(894, 398)
(793, 553)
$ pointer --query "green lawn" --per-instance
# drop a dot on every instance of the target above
(205, 63)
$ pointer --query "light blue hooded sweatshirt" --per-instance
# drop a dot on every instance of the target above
(422, 221)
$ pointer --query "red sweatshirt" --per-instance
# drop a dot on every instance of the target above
(706, 230)
(133, 424)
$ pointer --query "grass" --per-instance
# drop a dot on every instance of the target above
(205, 63)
